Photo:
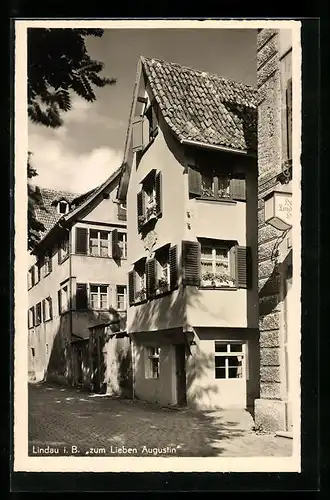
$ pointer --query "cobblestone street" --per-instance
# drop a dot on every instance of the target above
(70, 421)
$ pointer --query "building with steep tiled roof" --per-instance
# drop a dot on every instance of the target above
(190, 183)
(78, 280)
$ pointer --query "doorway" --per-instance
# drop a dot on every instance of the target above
(180, 371)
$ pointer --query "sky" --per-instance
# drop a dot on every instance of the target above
(89, 146)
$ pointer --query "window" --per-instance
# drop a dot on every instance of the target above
(47, 309)
(99, 245)
(121, 297)
(63, 251)
(215, 265)
(31, 317)
(47, 263)
(206, 184)
(31, 278)
(149, 199)
(137, 283)
(152, 119)
(63, 207)
(99, 296)
(81, 297)
(38, 314)
(152, 362)
(229, 360)
(63, 299)
(122, 211)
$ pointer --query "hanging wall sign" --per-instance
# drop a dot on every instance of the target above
(278, 210)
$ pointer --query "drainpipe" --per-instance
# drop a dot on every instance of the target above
(70, 282)
(133, 369)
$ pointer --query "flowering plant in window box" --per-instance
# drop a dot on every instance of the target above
(223, 280)
(207, 192)
(150, 212)
(223, 193)
(162, 285)
(141, 294)
(208, 279)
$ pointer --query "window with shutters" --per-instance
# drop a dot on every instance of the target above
(47, 263)
(98, 297)
(37, 271)
(31, 317)
(47, 309)
(162, 274)
(149, 199)
(38, 314)
(215, 265)
(152, 362)
(63, 250)
(121, 297)
(212, 185)
(99, 243)
(229, 360)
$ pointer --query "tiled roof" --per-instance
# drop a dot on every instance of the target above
(46, 209)
(202, 107)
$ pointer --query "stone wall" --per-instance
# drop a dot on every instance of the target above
(270, 409)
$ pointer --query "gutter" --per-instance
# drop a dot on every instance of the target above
(189, 142)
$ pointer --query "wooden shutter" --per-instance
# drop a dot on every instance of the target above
(289, 117)
(191, 263)
(151, 277)
(131, 287)
(154, 122)
(140, 208)
(50, 308)
(59, 299)
(173, 267)
(43, 310)
(195, 182)
(81, 240)
(237, 189)
(50, 262)
(140, 134)
(158, 196)
(81, 296)
(114, 243)
(240, 264)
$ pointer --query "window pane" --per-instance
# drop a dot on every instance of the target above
(104, 248)
(207, 185)
(104, 235)
(236, 348)
(220, 347)
(93, 246)
(220, 361)
(104, 301)
(221, 253)
(103, 289)
(220, 373)
(94, 288)
(235, 368)
(223, 186)
(155, 367)
(206, 252)
(93, 234)
(94, 301)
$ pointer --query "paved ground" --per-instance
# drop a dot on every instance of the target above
(69, 421)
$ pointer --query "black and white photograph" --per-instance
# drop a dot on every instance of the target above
(157, 240)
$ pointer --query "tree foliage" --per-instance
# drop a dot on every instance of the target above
(58, 67)
(59, 64)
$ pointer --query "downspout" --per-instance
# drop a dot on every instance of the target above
(70, 287)
(133, 369)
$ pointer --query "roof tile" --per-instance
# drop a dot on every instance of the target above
(207, 107)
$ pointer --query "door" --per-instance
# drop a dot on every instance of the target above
(230, 375)
(180, 365)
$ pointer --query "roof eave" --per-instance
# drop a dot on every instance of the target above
(190, 142)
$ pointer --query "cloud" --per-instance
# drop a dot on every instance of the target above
(59, 167)
(84, 111)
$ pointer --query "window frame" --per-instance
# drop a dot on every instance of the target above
(211, 281)
(48, 264)
(215, 185)
(49, 308)
(163, 288)
(227, 354)
(64, 249)
(38, 314)
(61, 309)
(140, 281)
(63, 202)
(99, 295)
(124, 295)
(31, 277)
(31, 317)
(99, 239)
(149, 356)
(124, 247)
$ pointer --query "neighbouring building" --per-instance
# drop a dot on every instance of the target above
(77, 280)
(273, 411)
(190, 183)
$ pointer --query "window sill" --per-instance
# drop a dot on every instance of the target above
(138, 302)
(47, 320)
(230, 201)
(46, 274)
(208, 287)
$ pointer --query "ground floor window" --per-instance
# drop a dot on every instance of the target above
(152, 362)
(121, 297)
(229, 359)
(99, 297)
